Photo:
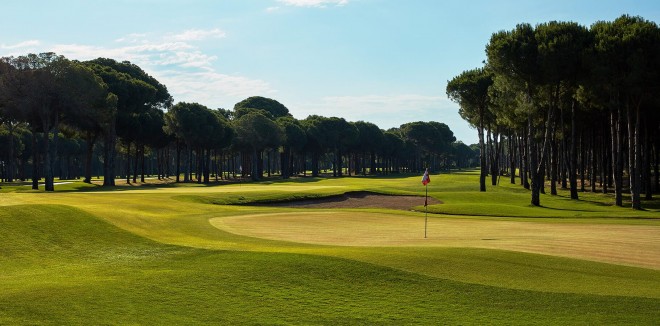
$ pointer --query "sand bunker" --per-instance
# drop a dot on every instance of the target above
(358, 200)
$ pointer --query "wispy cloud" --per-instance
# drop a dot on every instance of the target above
(313, 3)
(132, 38)
(177, 60)
(199, 34)
(149, 53)
(172, 49)
(212, 88)
(21, 45)
(385, 110)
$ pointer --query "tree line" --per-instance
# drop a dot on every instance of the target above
(69, 119)
(562, 104)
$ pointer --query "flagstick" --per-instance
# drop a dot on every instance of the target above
(426, 209)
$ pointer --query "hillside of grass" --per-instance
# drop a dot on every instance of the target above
(149, 255)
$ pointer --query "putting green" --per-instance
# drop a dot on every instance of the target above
(633, 245)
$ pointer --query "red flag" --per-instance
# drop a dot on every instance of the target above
(426, 179)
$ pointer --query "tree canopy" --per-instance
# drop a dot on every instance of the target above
(105, 117)
(572, 102)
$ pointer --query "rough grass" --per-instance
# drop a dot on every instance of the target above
(151, 256)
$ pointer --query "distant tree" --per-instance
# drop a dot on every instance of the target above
(47, 90)
(464, 155)
(515, 55)
(91, 109)
(391, 150)
(12, 147)
(202, 130)
(273, 107)
(430, 139)
(255, 132)
(561, 49)
(370, 140)
(340, 135)
(470, 91)
(136, 93)
(317, 140)
(294, 139)
(627, 49)
(9, 117)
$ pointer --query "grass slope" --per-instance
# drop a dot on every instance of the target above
(73, 268)
(150, 256)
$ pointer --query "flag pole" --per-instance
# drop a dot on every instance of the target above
(426, 208)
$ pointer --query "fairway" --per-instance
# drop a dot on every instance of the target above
(634, 245)
(195, 254)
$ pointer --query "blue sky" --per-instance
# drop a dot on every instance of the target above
(385, 62)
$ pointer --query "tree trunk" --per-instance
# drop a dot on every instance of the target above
(255, 165)
(535, 187)
(482, 158)
(178, 161)
(187, 174)
(581, 163)
(494, 157)
(142, 163)
(634, 156)
(553, 164)
(605, 156)
(109, 155)
(572, 167)
(617, 155)
(35, 162)
(260, 164)
(592, 162)
(646, 165)
(11, 159)
(136, 162)
(268, 163)
(284, 163)
(199, 171)
(91, 139)
(339, 163)
(656, 166)
(207, 165)
(563, 160)
(512, 158)
(48, 159)
(128, 162)
(524, 159)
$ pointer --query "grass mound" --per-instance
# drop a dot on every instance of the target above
(150, 255)
(72, 271)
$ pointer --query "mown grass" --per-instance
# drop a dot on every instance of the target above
(150, 256)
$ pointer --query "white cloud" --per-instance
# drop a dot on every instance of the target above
(388, 111)
(21, 45)
(199, 34)
(212, 88)
(313, 3)
(272, 9)
(132, 38)
(146, 53)
(383, 104)
(384, 110)
(185, 59)
(177, 60)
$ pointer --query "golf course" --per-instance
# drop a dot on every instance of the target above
(255, 253)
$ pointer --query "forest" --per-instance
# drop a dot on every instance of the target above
(561, 104)
(554, 105)
(111, 120)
